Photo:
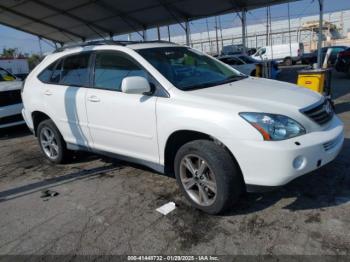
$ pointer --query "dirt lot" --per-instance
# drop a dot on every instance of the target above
(105, 206)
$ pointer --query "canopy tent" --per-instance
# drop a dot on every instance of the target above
(80, 20)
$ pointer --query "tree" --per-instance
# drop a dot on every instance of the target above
(33, 61)
(9, 52)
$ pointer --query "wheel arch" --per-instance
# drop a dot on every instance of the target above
(179, 138)
(37, 118)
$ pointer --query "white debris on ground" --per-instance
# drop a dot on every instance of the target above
(167, 208)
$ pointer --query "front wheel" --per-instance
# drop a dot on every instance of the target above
(51, 142)
(208, 176)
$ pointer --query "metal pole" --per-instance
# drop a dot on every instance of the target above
(169, 36)
(222, 40)
(320, 34)
(187, 29)
(144, 35)
(158, 32)
(129, 37)
(244, 30)
(290, 36)
(201, 42)
(216, 35)
(267, 26)
(210, 48)
(40, 47)
(270, 32)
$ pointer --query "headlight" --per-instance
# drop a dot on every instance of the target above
(274, 127)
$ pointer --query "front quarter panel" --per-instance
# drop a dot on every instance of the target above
(205, 117)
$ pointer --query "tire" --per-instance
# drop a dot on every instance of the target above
(288, 61)
(56, 150)
(221, 174)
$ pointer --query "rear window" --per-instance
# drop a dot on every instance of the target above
(45, 75)
(71, 71)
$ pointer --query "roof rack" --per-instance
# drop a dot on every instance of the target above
(107, 42)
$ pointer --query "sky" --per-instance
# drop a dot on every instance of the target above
(27, 43)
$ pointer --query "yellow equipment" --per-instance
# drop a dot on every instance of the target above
(318, 80)
(8, 78)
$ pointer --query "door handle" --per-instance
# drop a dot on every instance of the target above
(47, 93)
(93, 99)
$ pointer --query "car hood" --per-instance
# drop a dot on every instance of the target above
(10, 85)
(261, 94)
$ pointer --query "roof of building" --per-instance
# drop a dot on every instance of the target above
(80, 20)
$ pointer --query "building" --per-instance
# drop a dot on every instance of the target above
(257, 36)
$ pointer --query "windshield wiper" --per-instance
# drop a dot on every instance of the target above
(205, 85)
(232, 79)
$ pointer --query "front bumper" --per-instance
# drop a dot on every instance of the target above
(274, 164)
(11, 115)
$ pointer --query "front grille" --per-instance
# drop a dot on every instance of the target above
(11, 119)
(321, 113)
(12, 97)
(332, 144)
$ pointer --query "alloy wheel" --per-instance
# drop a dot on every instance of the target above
(49, 143)
(198, 180)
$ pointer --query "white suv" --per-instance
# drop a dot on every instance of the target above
(181, 112)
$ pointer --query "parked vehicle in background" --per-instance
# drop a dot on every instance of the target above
(10, 100)
(286, 53)
(247, 65)
(342, 63)
(236, 50)
(16, 66)
(232, 50)
(180, 112)
(311, 58)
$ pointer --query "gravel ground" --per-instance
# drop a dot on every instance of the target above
(105, 206)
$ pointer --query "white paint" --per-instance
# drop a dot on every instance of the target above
(139, 126)
(167, 208)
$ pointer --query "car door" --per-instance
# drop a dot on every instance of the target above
(64, 96)
(120, 123)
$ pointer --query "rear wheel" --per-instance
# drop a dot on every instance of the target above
(51, 142)
(208, 176)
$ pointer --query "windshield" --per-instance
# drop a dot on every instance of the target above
(188, 69)
(6, 76)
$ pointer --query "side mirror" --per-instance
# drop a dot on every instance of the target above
(135, 85)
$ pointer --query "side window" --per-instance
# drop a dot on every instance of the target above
(337, 50)
(75, 70)
(112, 67)
(45, 75)
(261, 51)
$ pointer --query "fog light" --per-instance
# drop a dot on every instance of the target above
(299, 162)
